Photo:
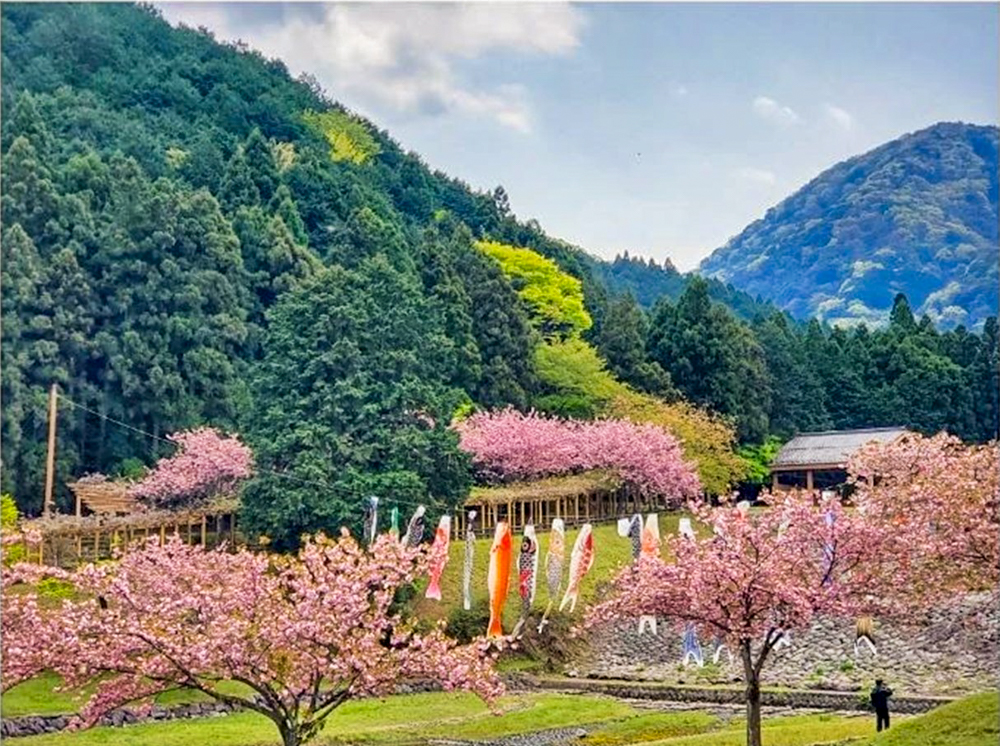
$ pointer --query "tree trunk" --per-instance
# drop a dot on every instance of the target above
(289, 735)
(752, 679)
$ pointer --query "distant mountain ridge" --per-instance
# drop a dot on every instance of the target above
(917, 215)
(648, 281)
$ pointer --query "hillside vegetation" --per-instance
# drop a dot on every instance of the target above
(917, 216)
(973, 721)
(190, 236)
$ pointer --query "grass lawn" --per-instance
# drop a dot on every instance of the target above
(611, 553)
(795, 730)
(972, 721)
(38, 697)
(402, 719)
(415, 718)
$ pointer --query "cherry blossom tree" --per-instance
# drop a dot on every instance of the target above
(24, 621)
(205, 465)
(509, 445)
(758, 575)
(940, 502)
(304, 633)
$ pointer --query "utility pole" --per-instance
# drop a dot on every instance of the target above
(50, 462)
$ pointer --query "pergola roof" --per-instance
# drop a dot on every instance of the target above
(829, 449)
(550, 488)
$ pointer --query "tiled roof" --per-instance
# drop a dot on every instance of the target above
(831, 446)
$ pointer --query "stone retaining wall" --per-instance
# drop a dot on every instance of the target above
(797, 699)
(952, 651)
(32, 725)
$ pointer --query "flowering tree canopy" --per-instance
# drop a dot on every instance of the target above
(305, 633)
(24, 622)
(206, 464)
(940, 499)
(509, 445)
(761, 574)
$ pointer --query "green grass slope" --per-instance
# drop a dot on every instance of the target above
(972, 721)
(413, 719)
(611, 553)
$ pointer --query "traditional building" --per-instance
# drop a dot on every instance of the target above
(819, 460)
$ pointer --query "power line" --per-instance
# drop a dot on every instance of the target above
(103, 416)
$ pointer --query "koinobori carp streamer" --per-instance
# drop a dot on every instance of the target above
(554, 558)
(438, 557)
(580, 562)
(470, 551)
(498, 580)
(527, 574)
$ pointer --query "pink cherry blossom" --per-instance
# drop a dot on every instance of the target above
(940, 502)
(205, 465)
(759, 574)
(304, 633)
(509, 445)
(24, 620)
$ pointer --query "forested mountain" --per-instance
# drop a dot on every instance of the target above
(162, 191)
(917, 215)
(191, 237)
(648, 281)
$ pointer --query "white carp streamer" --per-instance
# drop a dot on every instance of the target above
(470, 551)
(554, 566)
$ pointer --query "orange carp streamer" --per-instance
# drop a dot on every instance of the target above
(498, 580)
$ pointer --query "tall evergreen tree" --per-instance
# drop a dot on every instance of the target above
(622, 342)
(712, 359)
(346, 404)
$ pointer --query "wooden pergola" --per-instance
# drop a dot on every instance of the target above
(114, 520)
(588, 497)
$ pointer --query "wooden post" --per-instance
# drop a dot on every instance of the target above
(50, 461)
(163, 534)
(204, 531)
(809, 479)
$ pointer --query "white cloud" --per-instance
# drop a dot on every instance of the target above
(757, 176)
(771, 111)
(680, 91)
(841, 117)
(402, 55)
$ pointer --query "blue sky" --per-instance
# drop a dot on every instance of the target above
(662, 129)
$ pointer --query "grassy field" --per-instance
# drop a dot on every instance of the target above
(611, 553)
(416, 718)
(972, 721)
(39, 697)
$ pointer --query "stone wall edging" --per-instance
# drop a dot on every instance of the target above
(33, 725)
(798, 699)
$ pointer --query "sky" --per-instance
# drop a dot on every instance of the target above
(662, 129)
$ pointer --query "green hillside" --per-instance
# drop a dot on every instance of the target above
(193, 237)
(648, 282)
(917, 215)
(973, 721)
(611, 553)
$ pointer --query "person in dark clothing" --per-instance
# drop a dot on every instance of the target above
(880, 701)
